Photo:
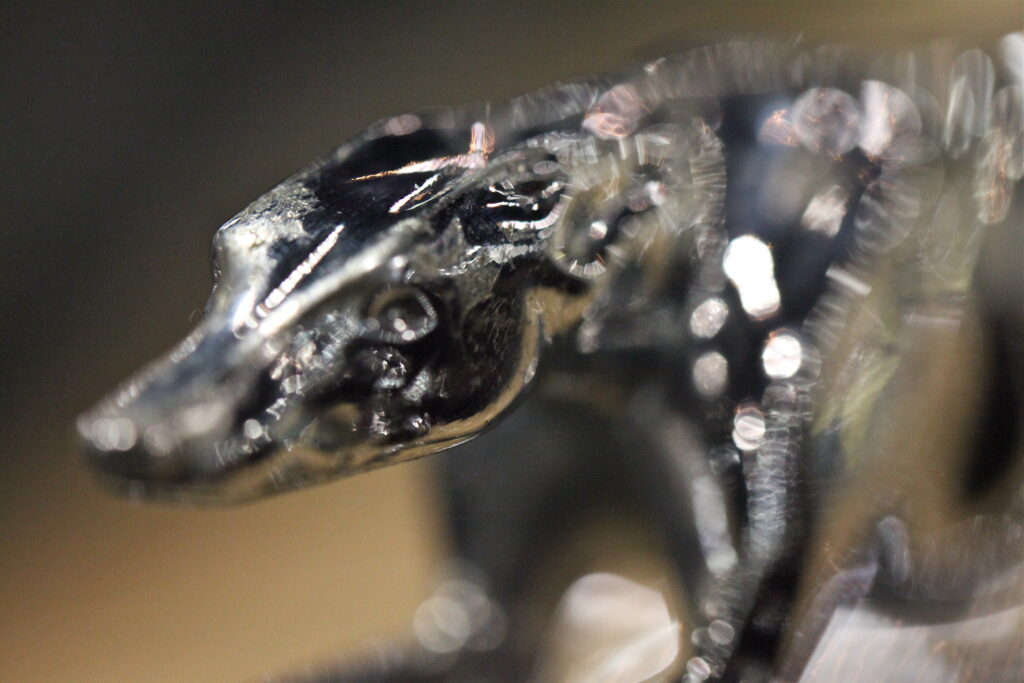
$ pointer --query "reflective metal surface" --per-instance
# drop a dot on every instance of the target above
(768, 298)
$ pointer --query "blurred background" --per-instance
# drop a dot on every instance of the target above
(130, 132)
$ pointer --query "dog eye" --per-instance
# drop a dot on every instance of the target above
(400, 316)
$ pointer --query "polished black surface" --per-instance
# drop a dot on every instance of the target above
(758, 253)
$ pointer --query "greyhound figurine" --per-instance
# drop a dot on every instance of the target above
(735, 278)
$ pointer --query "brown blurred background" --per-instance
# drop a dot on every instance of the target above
(130, 132)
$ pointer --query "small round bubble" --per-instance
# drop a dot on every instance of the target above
(707, 319)
(782, 354)
(826, 120)
(721, 632)
(698, 669)
(710, 374)
(748, 428)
